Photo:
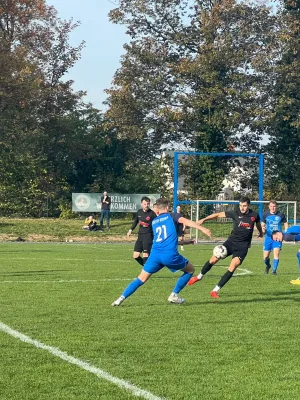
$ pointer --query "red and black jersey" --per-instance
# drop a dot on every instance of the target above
(243, 225)
(144, 220)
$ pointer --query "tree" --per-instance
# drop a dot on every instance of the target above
(284, 122)
(192, 76)
(34, 56)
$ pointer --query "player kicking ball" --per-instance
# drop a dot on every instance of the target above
(164, 253)
(237, 244)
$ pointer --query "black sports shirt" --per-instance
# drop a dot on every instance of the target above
(243, 225)
(144, 220)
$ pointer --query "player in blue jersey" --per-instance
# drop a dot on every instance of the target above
(292, 234)
(272, 220)
(164, 253)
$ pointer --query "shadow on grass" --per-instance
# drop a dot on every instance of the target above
(26, 273)
(6, 224)
(267, 298)
(23, 251)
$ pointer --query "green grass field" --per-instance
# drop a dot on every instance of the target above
(242, 346)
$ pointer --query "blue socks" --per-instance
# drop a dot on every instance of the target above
(132, 287)
(275, 264)
(298, 256)
(182, 281)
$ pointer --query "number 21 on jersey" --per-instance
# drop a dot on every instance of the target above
(161, 233)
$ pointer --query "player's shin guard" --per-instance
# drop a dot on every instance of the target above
(139, 260)
(182, 281)
(206, 267)
(275, 264)
(225, 278)
(132, 287)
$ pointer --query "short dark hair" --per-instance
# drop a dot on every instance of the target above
(245, 199)
(145, 198)
(162, 203)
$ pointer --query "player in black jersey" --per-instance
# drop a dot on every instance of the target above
(143, 218)
(237, 244)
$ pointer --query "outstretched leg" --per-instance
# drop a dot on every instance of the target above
(235, 262)
(181, 283)
(132, 287)
(206, 267)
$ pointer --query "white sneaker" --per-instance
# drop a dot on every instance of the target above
(118, 301)
(182, 248)
(173, 298)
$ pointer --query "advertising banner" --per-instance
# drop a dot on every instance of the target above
(91, 202)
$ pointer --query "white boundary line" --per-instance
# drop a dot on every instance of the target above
(243, 272)
(136, 391)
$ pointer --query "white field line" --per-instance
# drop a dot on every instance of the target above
(136, 391)
(244, 271)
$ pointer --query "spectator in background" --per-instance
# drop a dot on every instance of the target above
(90, 224)
(105, 210)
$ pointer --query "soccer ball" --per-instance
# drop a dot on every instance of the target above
(220, 251)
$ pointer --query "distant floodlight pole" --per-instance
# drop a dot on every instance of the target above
(195, 153)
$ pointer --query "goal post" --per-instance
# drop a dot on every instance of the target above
(260, 157)
(221, 228)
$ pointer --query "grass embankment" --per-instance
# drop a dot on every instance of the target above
(62, 230)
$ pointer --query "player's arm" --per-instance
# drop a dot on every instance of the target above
(260, 229)
(286, 226)
(290, 237)
(212, 216)
(134, 224)
(263, 227)
(192, 224)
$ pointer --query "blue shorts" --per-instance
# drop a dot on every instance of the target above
(173, 261)
(270, 244)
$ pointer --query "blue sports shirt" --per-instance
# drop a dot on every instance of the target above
(165, 228)
(292, 234)
(273, 221)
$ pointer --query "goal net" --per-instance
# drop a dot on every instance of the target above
(222, 227)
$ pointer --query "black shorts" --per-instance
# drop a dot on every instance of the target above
(144, 243)
(180, 231)
(237, 249)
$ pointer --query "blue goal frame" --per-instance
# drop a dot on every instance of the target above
(195, 153)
